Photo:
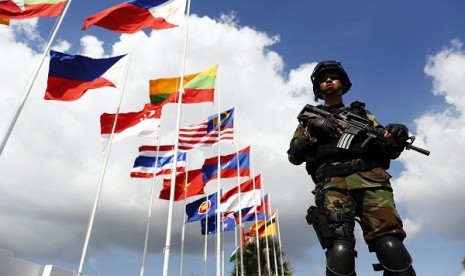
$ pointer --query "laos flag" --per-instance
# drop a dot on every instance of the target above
(70, 76)
(135, 15)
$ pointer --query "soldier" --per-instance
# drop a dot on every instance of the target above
(350, 184)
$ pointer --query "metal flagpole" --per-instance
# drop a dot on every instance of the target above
(152, 194)
(257, 238)
(218, 187)
(279, 242)
(274, 245)
(102, 175)
(268, 263)
(176, 148)
(29, 85)
(183, 231)
(240, 211)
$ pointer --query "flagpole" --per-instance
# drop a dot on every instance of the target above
(268, 263)
(256, 220)
(218, 187)
(29, 85)
(176, 148)
(205, 244)
(183, 231)
(102, 175)
(279, 242)
(240, 209)
(152, 194)
(274, 245)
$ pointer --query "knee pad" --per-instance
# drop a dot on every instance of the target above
(340, 259)
(393, 256)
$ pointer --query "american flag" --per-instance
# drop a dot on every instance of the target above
(208, 132)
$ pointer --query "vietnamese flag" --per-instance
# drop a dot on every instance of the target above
(184, 188)
(69, 76)
(16, 9)
(135, 15)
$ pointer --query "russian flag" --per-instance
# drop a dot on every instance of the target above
(135, 15)
(153, 160)
(70, 76)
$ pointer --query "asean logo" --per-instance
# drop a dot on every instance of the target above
(204, 207)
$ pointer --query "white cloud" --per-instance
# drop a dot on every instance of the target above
(431, 187)
(52, 163)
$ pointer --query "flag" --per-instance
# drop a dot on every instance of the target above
(248, 214)
(184, 188)
(231, 165)
(233, 256)
(201, 208)
(145, 167)
(264, 227)
(144, 123)
(198, 88)
(135, 15)
(5, 21)
(206, 132)
(69, 76)
(228, 223)
(249, 193)
(23, 9)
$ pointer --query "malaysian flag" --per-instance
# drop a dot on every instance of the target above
(208, 132)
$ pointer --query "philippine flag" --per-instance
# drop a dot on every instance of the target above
(135, 15)
(70, 76)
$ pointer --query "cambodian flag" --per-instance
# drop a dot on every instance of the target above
(135, 15)
(70, 76)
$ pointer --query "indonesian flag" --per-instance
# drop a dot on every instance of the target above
(144, 123)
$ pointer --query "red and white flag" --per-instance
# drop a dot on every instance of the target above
(144, 123)
(249, 193)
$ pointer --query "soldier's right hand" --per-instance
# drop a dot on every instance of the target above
(324, 127)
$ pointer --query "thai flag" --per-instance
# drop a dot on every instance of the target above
(135, 15)
(153, 160)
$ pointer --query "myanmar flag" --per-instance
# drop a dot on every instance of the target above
(31, 8)
(198, 88)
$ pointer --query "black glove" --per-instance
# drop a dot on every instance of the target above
(322, 127)
(399, 132)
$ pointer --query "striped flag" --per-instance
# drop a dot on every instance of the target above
(148, 163)
(198, 88)
(246, 195)
(208, 132)
(24, 9)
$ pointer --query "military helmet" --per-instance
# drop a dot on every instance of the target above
(325, 66)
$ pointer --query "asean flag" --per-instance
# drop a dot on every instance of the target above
(70, 76)
(132, 16)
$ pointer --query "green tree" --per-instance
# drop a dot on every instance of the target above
(251, 259)
(463, 263)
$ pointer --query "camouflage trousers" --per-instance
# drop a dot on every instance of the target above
(367, 196)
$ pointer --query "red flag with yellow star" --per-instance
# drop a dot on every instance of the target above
(185, 187)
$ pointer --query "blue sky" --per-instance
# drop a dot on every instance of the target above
(405, 60)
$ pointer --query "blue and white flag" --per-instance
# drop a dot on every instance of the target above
(145, 167)
(228, 222)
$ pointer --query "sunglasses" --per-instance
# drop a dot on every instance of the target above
(325, 76)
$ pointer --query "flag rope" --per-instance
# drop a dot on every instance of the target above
(31, 81)
(102, 175)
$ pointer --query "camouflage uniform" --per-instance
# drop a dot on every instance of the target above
(363, 194)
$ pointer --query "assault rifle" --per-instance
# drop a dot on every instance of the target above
(353, 125)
